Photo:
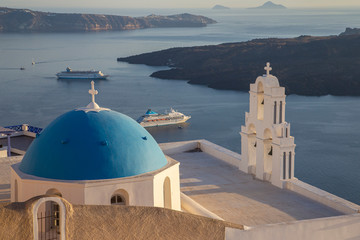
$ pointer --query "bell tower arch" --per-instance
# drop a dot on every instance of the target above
(260, 101)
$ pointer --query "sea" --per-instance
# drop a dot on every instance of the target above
(326, 128)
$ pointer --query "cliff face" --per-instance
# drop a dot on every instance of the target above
(304, 65)
(23, 20)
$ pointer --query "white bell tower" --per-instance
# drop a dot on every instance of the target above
(267, 149)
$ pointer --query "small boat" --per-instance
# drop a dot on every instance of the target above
(71, 74)
(22, 68)
(154, 119)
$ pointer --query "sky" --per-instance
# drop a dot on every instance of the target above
(33, 4)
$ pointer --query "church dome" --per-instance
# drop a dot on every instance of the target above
(92, 143)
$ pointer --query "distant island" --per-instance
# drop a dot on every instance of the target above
(305, 65)
(220, 7)
(24, 20)
(270, 5)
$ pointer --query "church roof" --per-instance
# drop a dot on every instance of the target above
(268, 79)
(92, 143)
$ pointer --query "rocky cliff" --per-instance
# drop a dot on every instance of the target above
(23, 20)
(350, 31)
(304, 65)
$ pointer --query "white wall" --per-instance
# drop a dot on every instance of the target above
(221, 153)
(140, 191)
(333, 228)
(322, 196)
(210, 148)
(173, 173)
(143, 190)
(28, 188)
(177, 147)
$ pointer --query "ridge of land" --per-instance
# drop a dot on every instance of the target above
(25, 21)
(304, 65)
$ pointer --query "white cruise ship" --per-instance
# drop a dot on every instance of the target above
(71, 74)
(153, 119)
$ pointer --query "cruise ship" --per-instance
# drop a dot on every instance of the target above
(71, 74)
(153, 119)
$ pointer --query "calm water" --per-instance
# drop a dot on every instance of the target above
(326, 128)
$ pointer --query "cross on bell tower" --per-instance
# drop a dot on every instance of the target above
(268, 69)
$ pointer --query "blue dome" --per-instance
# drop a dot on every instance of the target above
(81, 145)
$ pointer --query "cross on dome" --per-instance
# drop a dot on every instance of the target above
(268, 69)
(93, 92)
(93, 106)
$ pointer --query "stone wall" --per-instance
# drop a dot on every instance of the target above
(84, 222)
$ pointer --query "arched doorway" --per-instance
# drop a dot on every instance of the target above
(167, 193)
(45, 225)
(52, 211)
(120, 197)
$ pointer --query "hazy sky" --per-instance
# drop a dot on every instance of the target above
(173, 3)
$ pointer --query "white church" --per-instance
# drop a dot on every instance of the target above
(96, 156)
(101, 175)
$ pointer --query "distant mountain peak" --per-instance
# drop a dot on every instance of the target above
(220, 7)
(270, 5)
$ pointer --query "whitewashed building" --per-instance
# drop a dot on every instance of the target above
(96, 156)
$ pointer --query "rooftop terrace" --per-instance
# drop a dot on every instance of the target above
(237, 197)
(222, 189)
(20, 142)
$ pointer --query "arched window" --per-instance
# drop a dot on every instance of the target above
(284, 165)
(280, 113)
(53, 191)
(275, 112)
(167, 193)
(120, 197)
(290, 165)
(117, 199)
